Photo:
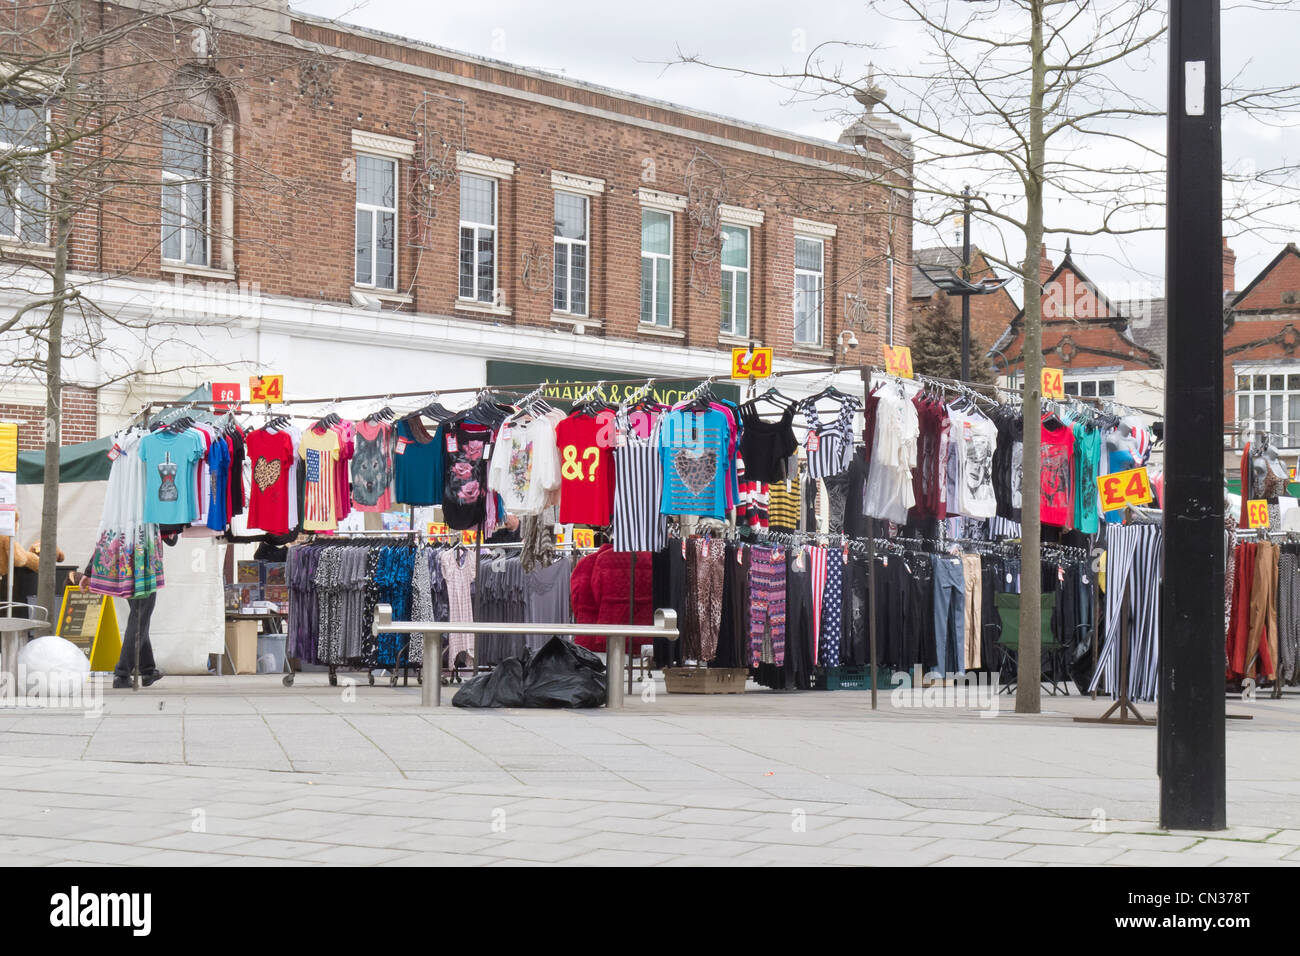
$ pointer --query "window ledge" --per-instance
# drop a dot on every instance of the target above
(580, 323)
(384, 295)
(19, 248)
(738, 341)
(473, 305)
(818, 350)
(204, 272)
(658, 331)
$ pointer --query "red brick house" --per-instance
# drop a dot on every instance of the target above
(990, 315)
(434, 215)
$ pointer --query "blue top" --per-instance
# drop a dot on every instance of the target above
(1087, 452)
(219, 466)
(170, 494)
(417, 466)
(693, 452)
(1121, 459)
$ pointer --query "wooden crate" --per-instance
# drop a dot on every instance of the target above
(705, 680)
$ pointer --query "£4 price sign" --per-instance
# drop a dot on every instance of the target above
(1257, 513)
(1123, 488)
(1053, 383)
(898, 361)
(745, 363)
(266, 388)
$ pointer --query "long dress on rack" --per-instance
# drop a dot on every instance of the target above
(127, 560)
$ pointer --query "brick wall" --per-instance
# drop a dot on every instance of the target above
(295, 202)
(80, 420)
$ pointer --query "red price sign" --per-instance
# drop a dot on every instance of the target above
(224, 395)
(1257, 513)
(1123, 488)
(266, 388)
(745, 363)
(1053, 383)
(898, 360)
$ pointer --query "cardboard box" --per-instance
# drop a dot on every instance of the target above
(241, 646)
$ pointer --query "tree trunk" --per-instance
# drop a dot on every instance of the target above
(1028, 688)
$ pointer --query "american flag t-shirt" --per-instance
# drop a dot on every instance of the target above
(319, 453)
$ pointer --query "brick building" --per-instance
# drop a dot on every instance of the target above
(364, 213)
(1094, 340)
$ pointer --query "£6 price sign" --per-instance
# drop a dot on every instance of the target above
(898, 361)
(1120, 489)
(1257, 513)
(746, 364)
(266, 388)
(1053, 383)
(225, 395)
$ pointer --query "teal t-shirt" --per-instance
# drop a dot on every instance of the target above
(1087, 455)
(170, 488)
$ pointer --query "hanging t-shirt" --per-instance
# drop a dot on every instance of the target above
(219, 485)
(977, 438)
(1057, 478)
(170, 461)
(585, 444)
(464, 498)
(320, 452)
(525, 465)
(693, 452)
(372, 467)
(418, 463)
(272, 457)
(1087, 451)
(1123, 459)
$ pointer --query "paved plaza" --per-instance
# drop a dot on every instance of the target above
(243, 771)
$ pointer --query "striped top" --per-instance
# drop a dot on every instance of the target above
(830, 446)
(783, 501)
(638, 524)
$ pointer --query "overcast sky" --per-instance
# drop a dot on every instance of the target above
(625, 46)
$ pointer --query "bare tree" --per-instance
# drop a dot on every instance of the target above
(117, 125)
(1029, 100)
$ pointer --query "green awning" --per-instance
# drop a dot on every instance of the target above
(87, 461)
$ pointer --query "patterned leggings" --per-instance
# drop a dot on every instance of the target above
(766, 606)
(832, 610)
(705, 565)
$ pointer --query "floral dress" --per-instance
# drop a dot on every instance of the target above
(127, 560)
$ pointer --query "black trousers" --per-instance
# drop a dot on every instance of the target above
(137, 630)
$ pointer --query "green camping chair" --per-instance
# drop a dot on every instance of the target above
(1008, 606)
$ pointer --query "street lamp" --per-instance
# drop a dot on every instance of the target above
(951, 283)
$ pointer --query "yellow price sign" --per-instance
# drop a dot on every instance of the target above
(1257, 513)
(266, 388)
(436, 529)
(1120, 489)
(469, 536)
(898, 361)
(1053, 383)
(584, 538)
(746, 364)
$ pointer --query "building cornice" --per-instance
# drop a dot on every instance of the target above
(665, 202)
(572, 182)
(808, 227)
(393, 147)
(740, 216)
(481, 165)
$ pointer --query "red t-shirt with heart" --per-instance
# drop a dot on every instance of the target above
(271, 455)
(586, 444)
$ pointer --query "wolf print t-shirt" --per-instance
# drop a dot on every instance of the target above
(171, 491)
(271, 458)
(372, 466)
(464, 493)
(693, 450)
(320, 455)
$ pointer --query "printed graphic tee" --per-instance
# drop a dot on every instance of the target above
(585, 444)
(464, 492)
(525, 465)
(1087, 453)
(171, 494)
(977, 438)
(1057, 479)
(320, 454)
(693, 449)
(372, 466)
(272, 461)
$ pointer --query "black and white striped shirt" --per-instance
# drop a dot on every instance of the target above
(638, 487)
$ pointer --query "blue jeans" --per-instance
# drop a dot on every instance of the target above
(949, 614)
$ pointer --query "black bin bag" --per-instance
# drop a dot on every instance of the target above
(561, 674)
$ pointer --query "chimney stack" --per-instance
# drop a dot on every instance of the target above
(1045, 267)
(1229, 267)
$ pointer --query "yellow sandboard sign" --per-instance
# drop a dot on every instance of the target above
(89, 620)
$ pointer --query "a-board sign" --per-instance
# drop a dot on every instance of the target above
(89, 620)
